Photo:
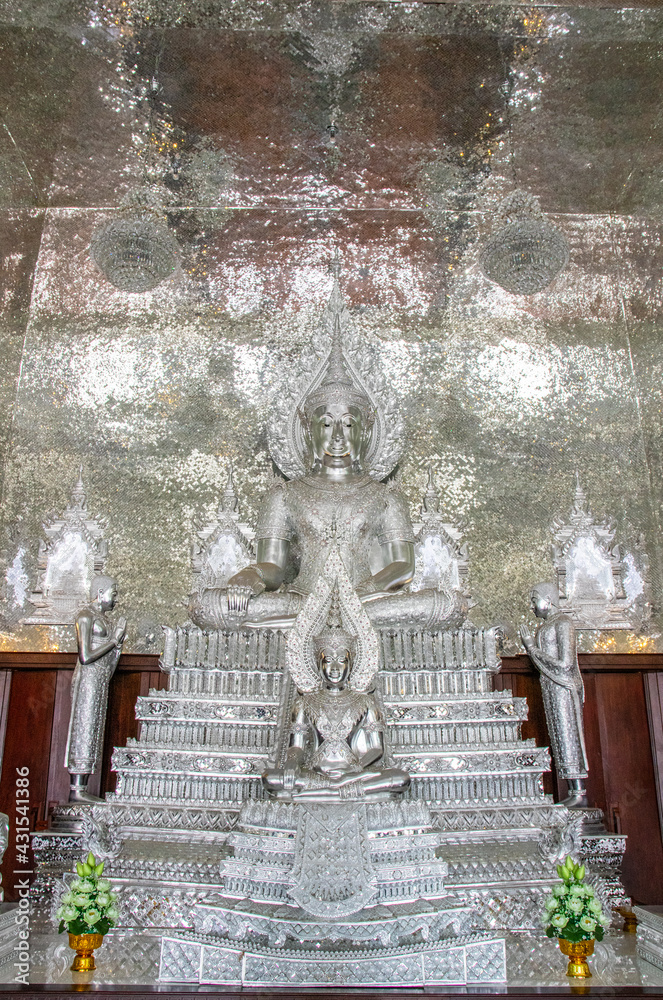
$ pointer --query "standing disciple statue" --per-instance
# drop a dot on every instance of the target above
(99, 648)
(553, 653)
(334, 441)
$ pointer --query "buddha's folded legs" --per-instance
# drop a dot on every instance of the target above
(314, 786)
(422, 609)
(210, 609)
(274, 781)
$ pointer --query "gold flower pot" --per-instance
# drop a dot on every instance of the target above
(630, 919)
(84, 946)
(577, 952)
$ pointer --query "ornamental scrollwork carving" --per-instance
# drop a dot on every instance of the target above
(72, 553)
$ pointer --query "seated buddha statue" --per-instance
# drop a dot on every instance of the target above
(336, 740)
(335, 500)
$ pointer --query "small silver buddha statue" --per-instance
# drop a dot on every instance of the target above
(336, 733)
(553, 653)
(335, 501)
(99, 648)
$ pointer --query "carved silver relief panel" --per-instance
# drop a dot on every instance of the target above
(222, 546)
(73, 551)
(441, 555)
(600, 586)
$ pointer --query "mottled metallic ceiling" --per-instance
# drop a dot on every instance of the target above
(273, 135)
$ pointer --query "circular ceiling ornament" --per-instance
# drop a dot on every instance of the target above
(527, 253)
(135, 252)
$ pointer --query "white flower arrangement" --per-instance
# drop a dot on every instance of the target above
(572, 910)
(89, 906)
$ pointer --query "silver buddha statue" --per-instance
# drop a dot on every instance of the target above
(553, 653)
(99, 648)
(337, 498)
(336, 734)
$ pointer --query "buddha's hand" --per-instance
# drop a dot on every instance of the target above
(367, 588)
(249, 578)
(367, 598)
(526, 637)
(238, 599)
(290, 772)
(367, 591)
(346, 779)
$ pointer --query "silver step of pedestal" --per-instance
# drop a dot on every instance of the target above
(208, 962)
(204, 742)
(649, 942)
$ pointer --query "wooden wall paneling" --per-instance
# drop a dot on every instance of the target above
(158, 680)
(596, 794)
(654, 699)
(58, 776)
(630, 785)
(125, 687)
(28, 743)
(599, 662)
(144, 684)
(154, 680)
(5, 690)
(526, 685)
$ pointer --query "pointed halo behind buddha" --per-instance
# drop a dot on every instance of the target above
(337, 358)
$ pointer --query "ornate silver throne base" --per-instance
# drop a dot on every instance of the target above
(203, 744)
(350, 893)
(196, 961)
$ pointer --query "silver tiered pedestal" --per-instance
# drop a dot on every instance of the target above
(189, 809)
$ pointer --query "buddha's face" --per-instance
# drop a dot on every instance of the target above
(337, 434)
(334, 663)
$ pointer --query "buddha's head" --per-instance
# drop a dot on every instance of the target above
(544, 599)
(103, 591)
(337, 435)
(334, 649)
(338, 415)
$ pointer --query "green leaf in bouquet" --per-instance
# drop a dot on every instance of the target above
(77, 926)
(573, 934)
